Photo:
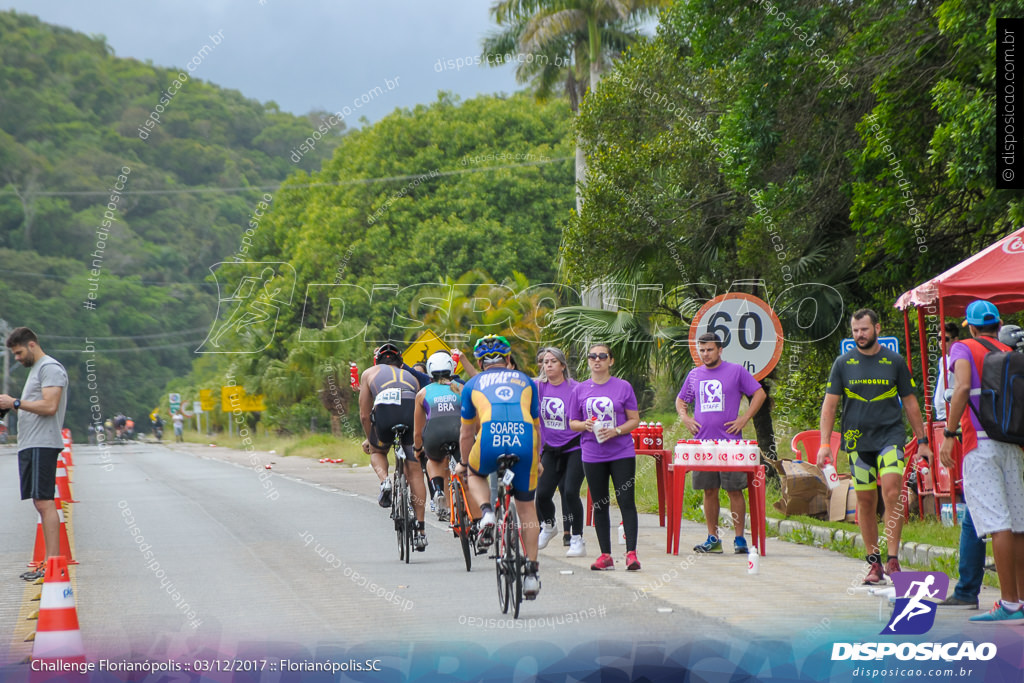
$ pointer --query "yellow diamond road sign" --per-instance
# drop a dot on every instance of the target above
(421, 348)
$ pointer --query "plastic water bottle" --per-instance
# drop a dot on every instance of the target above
(922, 466)
(622, 534)
(659, 437)
(753, 560)
(831, 476)
(353, 375)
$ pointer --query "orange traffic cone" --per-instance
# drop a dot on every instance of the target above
(63, 481)
(58, 637)
(66, 436)
(39, 552)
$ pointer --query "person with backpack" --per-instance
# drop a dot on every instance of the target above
(993, 466)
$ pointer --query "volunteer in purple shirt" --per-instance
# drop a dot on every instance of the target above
(563, 464)
(604, 409)
(715, 389)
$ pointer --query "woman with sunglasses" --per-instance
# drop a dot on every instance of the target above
(604, 409)
(560, 453)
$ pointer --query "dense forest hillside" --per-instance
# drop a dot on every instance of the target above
(123, 183)
(108, 228)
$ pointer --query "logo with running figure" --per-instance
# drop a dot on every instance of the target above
(601, 407)
(712, 399)
(916, 596)
(552, 411)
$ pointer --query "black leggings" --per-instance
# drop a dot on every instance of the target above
(623, 476)
(565, 470)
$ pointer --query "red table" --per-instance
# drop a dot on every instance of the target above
(676, 482)
(661, 460)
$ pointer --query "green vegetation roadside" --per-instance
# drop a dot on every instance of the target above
(314, 446)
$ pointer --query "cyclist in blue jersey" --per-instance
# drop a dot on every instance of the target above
(500, 416)
(437, 422)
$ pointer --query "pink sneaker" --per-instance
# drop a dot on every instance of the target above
(604, 562)
(632, 564)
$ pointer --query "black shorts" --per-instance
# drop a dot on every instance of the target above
(38, 468)
(439, 431)
(385, 417)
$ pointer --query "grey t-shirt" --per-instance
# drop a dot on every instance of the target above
(38, 431)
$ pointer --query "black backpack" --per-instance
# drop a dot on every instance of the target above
(1002, 393)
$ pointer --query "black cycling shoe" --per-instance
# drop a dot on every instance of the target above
(34, 575)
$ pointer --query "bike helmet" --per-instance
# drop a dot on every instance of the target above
(440, 364)
(386, 353)
(492, 346)
(1012, 336)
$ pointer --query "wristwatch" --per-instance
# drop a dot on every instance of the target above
(948, 434)
(17, 404)
(618, 431)
(923, 440)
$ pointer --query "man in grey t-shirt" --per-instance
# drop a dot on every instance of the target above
(40, 418)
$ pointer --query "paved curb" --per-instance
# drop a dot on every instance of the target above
(911, 553)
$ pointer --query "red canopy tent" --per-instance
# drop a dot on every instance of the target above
(996, 273)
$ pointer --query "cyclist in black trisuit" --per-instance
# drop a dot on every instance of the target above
(386, 396)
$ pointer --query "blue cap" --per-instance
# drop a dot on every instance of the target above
(981, 313)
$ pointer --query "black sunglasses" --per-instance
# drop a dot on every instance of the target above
(597, 356)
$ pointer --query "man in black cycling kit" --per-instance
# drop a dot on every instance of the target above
(386, 396)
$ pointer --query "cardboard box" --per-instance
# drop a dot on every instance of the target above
(804, 489)
(842, 501)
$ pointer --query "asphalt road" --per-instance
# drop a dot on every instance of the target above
(196, 554)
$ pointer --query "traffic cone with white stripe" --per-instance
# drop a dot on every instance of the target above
(65, 435)
(63, 481)
(58, 637)
(39, 552)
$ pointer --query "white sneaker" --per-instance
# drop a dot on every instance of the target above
(531, 586)
(547, 532)
(440, 506)
(577, 547)
(485, 537)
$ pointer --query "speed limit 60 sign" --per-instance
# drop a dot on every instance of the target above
(750, 331)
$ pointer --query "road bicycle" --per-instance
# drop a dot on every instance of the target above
(508, 543)
(458, 504)
(400, 498)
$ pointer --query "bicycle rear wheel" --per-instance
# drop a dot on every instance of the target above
(504, 594)
(462, 521)
(514, 573)
(408, 520)
(400, 513)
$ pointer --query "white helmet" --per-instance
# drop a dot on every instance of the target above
(440, 364)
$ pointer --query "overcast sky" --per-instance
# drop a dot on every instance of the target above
(303, 54)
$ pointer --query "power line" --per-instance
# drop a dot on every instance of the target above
(141, 349)
(140, 336)
(340, 183)
(140, 282)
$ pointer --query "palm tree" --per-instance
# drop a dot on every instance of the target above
(581, 34)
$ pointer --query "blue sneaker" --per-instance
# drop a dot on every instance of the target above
(1001, 614)
(739, 546)
(712, 545)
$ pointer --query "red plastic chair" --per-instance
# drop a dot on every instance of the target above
(811, 441)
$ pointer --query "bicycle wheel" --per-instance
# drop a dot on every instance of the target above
(462, 521)
(408, 520)
(514, 573)
(399, 511)
(504, 595)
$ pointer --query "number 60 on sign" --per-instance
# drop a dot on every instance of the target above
(750, 331)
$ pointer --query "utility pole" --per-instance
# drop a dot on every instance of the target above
(5, 330)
